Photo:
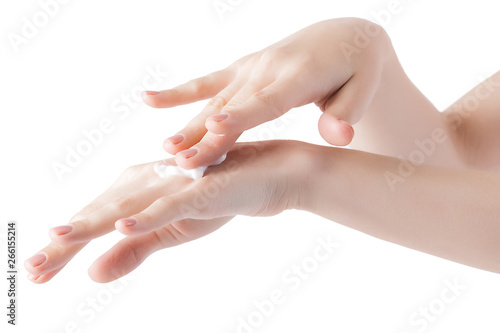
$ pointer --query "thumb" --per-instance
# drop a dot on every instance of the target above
(335, 131)
(344, 108)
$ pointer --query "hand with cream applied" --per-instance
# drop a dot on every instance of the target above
(165, 170)
(346, 186)
(253, 179)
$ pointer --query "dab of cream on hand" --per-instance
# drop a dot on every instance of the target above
(164, 170)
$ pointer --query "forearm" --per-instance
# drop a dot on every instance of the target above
(399, 114)
(449, 213)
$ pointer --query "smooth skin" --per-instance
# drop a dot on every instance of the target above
(447, 207)
(446, 212)
(357, 86)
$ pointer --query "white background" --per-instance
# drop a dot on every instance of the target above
(67, 77)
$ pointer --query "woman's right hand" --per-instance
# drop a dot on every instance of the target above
(335, 64)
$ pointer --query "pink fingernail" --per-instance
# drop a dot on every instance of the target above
(33, 277)
(152, 93)
(36, 260)
(219, 117)
(62, 230)
(175, 139)
(188, 153)
(128, 221)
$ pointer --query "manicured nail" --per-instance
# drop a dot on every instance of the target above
(33, 277)
(188, 153)
(175, 139)
(219, 117)
(128, 221)
(152, 93)
(36, 260)
(62, 230)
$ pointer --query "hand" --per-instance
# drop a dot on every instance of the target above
(312, 65)
(170, 211)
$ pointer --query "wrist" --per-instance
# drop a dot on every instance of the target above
(309, 169)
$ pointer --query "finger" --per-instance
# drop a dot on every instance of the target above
(335, 131)
(212, 147)
(163, 211)
(195, 129)
(39, 279)
(131, 251)
(344, 108)
(102, 221)
(51, 258)
(207, 151)
(267, 104)
(128, 181)
(192, 91)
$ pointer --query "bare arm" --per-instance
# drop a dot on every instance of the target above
(449, 213)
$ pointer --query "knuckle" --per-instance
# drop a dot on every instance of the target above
(124, 203)
(217, 101)
(199, 84)
(193, 127)
(231, 106)
(166, 202)
(130, 172)
(269, 57)
(145, 218)
(56, 249)
(83, 224)
(85, 212)
(209, 144)
(266, 97)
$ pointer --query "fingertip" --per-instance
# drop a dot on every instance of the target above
(33, 278)
(126, 226)
(34, 264)
(335, 131)
(61, 234)
(96, 275)
(346, 131)
(147, 96)
(173, 144)
(156, 99)
(188, 159)
(148, 93)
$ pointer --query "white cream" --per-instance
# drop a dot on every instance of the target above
(164, 170)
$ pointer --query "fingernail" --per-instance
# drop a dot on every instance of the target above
(188, 153)
(36, 260)
(33, 277)
(219, 117)
(152, 93)
(62, 230)
(175, 139)
(128, 221)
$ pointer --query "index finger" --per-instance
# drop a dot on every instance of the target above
(195, 90)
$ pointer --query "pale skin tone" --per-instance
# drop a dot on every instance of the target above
(448, 206)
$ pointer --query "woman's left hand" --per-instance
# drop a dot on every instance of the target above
(155, 213)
